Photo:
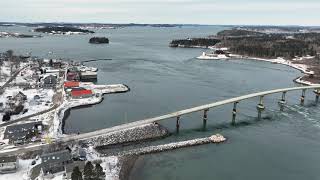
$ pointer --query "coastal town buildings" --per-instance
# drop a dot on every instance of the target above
(23, 133)
(50, 82)
(56, 161)
(8, 164)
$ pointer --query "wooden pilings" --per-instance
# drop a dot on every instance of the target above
(234, 113)
(260, 107)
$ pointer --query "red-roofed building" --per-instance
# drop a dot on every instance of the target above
(83, 93)
(71, 84)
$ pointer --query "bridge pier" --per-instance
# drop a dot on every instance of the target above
(303, 95)
(260, 107)
(205, 118)
(234, 113)
(317, 92)
(178, 124)
(282, 102)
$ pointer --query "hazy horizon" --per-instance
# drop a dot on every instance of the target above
(202, 12)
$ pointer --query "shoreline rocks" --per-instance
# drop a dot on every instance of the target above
(141, 133)
(175, 145)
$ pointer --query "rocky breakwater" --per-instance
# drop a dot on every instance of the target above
(176, 145)
(140, 133)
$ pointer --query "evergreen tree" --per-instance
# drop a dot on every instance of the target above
(50, 62)
(99, 174)
(76, 174)
(88, 172)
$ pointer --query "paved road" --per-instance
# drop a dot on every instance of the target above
(89, 135)
(11, 78)
(29, 116)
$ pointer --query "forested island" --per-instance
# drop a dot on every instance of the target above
(253, 43)
(62, 30)
(297, 47)
(265, 45)
(99, 40)
(194, 42)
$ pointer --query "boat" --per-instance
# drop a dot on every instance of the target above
(213, 56)
(85, 68)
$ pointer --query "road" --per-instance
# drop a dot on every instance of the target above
(72, 138)
(12, 78)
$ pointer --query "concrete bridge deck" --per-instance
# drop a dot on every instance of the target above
(184, 112)
(177, 114)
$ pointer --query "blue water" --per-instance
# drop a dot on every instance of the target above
(162, 80)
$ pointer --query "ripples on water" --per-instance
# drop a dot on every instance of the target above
(283, 145)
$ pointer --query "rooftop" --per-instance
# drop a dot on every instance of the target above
(7, 159)
(56, 157)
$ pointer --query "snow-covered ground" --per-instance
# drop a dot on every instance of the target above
(110, 164)
(33, 105)
(5, 73)
(301, 67)
(22, 172)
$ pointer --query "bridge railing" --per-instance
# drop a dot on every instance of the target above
(205, 108)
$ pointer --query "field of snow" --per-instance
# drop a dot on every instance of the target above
(21, 174)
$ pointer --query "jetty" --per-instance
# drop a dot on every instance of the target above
(175, 145)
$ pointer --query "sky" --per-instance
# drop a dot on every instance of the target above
(222, 12)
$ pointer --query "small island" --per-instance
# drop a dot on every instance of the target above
(99, 40)
(64, 30)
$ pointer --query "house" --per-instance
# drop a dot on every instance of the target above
(49, 82)
(56, 161)
(71, 84)
(20, 97)
(81, 93)
(79, 155)
(57, 64)
(8, 164)
(73, 76)
(14, 105)
(22, 133)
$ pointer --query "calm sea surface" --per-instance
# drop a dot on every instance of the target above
(284, 145)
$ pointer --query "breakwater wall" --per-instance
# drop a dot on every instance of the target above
(141, 133)
(175, 145)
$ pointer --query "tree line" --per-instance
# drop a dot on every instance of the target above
(90, 172)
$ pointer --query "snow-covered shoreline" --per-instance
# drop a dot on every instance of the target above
(68, 104)
(303, 68)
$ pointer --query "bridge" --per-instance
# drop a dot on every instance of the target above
(177, 115)
(205, 108)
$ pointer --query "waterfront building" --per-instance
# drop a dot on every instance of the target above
(81, 93)
(55, 162)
